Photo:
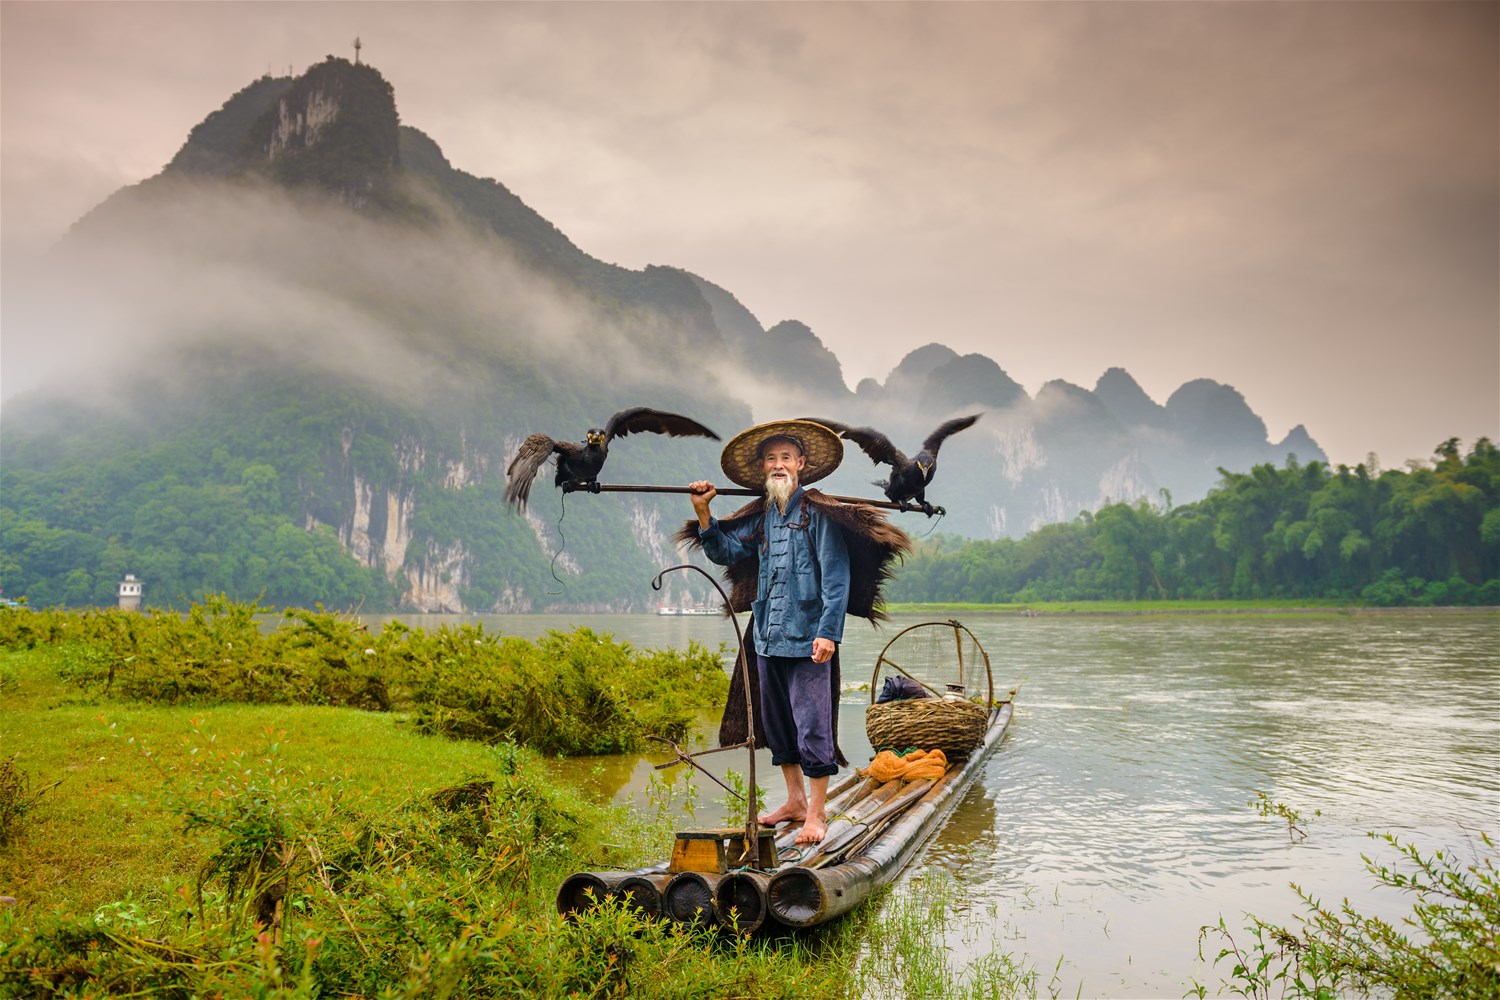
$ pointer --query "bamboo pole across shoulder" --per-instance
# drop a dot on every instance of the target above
(739, 492)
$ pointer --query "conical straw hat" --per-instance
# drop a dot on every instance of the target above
(821, 446)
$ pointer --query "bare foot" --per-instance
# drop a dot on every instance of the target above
(788, 810)
(813, 830)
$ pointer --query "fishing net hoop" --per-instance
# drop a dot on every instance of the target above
(963, 667)
(951, 658)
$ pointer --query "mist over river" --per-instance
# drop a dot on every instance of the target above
(1114, 819)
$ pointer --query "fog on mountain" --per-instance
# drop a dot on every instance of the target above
(313, 327)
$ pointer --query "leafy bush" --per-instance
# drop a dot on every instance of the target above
(25, 629)
(1447, 947)
(218, 652)
(567, 693)
(1391, 590)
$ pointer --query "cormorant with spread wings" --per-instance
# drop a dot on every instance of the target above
(909, 476)
(578, 464)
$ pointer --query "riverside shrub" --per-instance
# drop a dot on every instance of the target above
(1447, 946)
(567, 693)
(219, 652)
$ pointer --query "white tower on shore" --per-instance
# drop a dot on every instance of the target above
(131, 590)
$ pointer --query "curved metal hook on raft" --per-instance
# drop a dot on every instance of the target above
(739, 655)
(656, 584)
(752, 824)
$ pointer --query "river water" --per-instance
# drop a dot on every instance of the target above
(1114, 820)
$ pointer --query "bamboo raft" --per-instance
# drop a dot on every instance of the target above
(875, 828)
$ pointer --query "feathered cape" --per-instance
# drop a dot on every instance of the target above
(874, 545)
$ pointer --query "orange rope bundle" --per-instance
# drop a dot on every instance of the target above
(916, 764)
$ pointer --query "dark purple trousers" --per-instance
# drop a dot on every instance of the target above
(796, 710)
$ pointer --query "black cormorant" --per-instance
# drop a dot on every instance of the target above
(909, 476)
(578, 464)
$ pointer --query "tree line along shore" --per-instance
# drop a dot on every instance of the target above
(1425, 535)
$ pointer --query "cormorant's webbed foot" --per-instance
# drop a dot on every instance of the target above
(594, 486)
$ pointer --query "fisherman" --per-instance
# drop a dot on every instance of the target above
(807, 560)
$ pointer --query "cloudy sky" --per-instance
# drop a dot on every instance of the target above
(1301, 200)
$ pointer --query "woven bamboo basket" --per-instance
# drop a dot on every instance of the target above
(955, 727)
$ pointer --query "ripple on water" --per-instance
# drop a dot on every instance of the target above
(1125, 785)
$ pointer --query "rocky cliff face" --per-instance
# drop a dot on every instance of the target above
(335, 128)
(422, 503)
(374, 522)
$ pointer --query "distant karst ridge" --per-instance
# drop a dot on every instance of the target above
(407, 476)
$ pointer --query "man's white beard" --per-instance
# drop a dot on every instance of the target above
(779, 490)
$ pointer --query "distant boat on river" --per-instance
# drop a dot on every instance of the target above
(667, 609)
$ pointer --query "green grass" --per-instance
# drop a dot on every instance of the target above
(906, 954)
(96, 837)
(140, 871)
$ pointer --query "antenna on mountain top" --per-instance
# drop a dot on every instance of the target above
(356, 50)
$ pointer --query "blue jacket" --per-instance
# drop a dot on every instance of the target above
(803, 588)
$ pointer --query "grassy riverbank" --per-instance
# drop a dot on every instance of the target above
(309, 850)
(191, 806)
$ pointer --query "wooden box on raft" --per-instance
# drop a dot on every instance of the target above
(719, 851)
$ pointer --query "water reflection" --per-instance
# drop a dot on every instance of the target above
(969, 841)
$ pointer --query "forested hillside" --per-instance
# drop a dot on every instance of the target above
(243, 496)
(311, 376)
(294, 365)
(1423, 535)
